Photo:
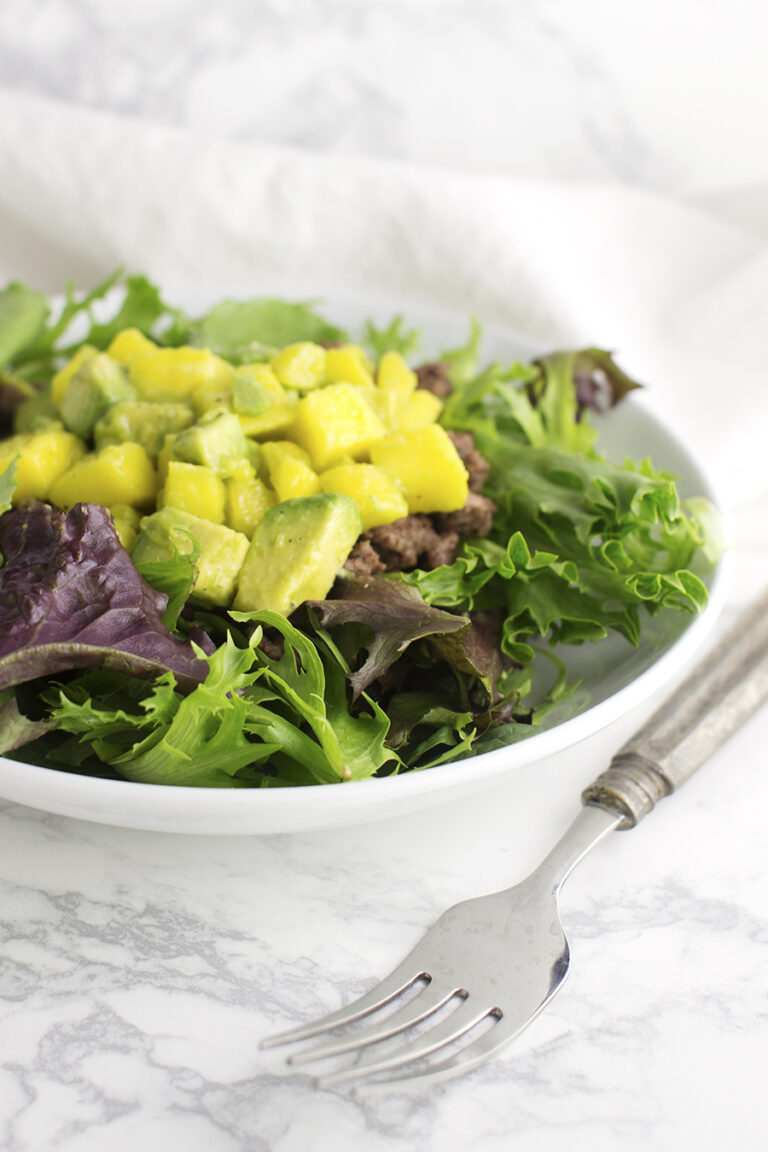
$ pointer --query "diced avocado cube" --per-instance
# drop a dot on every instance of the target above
(217, 441)
(127, 521)
(222, 551)
(142, 421)
(60, 381)
(296, 551)
(97, 384)
(36, 413)
(249, 396)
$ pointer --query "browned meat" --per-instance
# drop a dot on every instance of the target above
(476, 465)
(434, 377)
(364, 560)
(474, 519)
(412, 541)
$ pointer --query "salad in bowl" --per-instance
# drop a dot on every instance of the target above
(253, 551)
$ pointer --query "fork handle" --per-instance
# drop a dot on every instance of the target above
(721, 693)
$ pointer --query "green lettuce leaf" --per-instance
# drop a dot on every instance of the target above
(396, 337)
(48, 343)
(23, 313)
(254, 329)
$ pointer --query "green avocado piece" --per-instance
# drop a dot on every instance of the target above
(99, 383)
(249, 397)
(296, 552)
(216, 441)
(36, 414)
(140, 420)
(222, 551)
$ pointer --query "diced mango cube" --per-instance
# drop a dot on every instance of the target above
(177, 373)
(300, 365)
(394, 375)
(376, 492)
(273, 451)
(61, 380)
(335, 422)
(42, 458)
(129, 344)
(194, 489)
(292, 478)
(348, 365)
(419, 410)
(428, 466)
(248, 499)
(119, 474)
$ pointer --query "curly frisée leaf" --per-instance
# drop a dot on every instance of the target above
(198, 740)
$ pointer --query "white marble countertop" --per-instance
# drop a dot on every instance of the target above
(138, 972)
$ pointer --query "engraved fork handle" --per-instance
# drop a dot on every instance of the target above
(720, 695)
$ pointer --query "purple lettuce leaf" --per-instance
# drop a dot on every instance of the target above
(396, 615)
(71, 597)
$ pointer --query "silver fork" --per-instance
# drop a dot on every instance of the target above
(498, 960)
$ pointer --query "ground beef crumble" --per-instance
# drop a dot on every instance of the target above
(476, 465)
(435, 379)
(474, 519)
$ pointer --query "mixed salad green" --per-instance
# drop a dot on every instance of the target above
(109, 666)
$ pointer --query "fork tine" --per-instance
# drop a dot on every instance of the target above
(422, 1005)
(472, 1056)
(402, 977)
(460, 1021)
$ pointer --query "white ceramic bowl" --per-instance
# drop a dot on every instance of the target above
(615, 678)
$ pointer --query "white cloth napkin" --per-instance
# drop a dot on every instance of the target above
(680, 295)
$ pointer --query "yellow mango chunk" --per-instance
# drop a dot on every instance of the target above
(60, 381)
(335, 422)
(347, 364)
(376, 493)
(194, 489)
(273, 451)
(248, 499)
(428, 466)
(119, 474)
(263, 375)
(177, 373)
(419, 410)
(300, 366)
(292, 478)
(42, 458)
(394, 375)
(129, 344)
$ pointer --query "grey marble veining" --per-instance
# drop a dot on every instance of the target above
(139, 973)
